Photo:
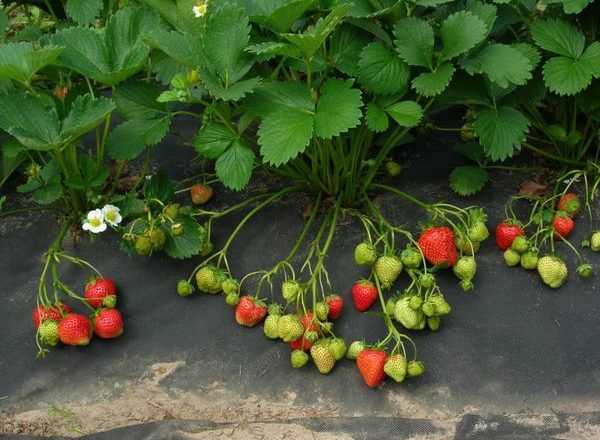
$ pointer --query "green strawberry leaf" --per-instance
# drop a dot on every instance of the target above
(347, 42)
(565, 76)
(414, 41)
(137, 99)
(503, 64)
(338, 108)
(461, 32)
(501, 131)
(405, 113)
(467, 180)
(433, 83)
(84, 11)
(180, 47)
(20, 61)
(212, 140)
(558, 36)
(381, 71)
(86, 114)
(282, 18)
(188, 243)
(271, 49)
(92, 175)
(485, 11)
(48, 193)
(234, 166)
(377, 119)
(575, 6)
(111, 56)
(159, 187)
(285, 134)
(130, 138)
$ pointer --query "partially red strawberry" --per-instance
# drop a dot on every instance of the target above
(108, 324)
(42, 313)
(98, 289)
(75, 329)
(506, 232)
(364, 294)
(371, 364)
(336, 305)
(201, 194)
(301, 344)
(562, 225)
(308, 323)
(250, 311)
(570, 204)
(437, 246)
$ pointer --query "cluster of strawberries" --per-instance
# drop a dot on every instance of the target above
(550, 224)
(57, 322)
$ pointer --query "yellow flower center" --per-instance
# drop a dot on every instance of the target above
(95, 222)
(111, 216)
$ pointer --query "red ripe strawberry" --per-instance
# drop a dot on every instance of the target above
(336, 305)
(75, 329)
(563, 225)
(364, 294)
(98, 289)
(506, 232)
(371, 363)
(570, 204)
(437, 245)
(250, 311)
(42, 313)
(108, 324)
(308, 323)
(201, 194)
(301, 344)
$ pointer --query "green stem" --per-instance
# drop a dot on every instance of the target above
(403, 194)
(552, 156)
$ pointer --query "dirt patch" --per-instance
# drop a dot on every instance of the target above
(145, 400)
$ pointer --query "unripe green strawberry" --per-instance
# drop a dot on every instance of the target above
(176, 229)
(529, 260)
(271, 326)
(290, 289)
(395, 367)
(184, 288)
(389, 306)
(337, 348)
(326, 326)
(232, 299)
(406, 316)
(388, 268)
(365, 254)
(230, 286)
(354, 350)
(321, 310)
(520, 244)
(171, 211)
(311, 335)
(299, 358)
(427, 280)
(467, 247)
(143, 245)
(466, 133)
(158, 238)
(411, 258)
(441, 305)
(428, 308)
(553, 271)
(110, 301)
(595, 241)
(433, 322)
(422, 321)
(465, 268)
(206, 248)
(289, 328)
(478, 232)
(511, 257)
(274, 309)
(48, 331)
(466, 285)
(209, 279)
(415, 302)
(393, 169)
(321, 356)
(415, 368)
(585, 270)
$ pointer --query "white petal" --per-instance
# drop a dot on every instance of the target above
(86, 226)
(96, 214)
(101, 228)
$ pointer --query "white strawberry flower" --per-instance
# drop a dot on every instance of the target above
(95, 222)
(112, 215)
(200, 9)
